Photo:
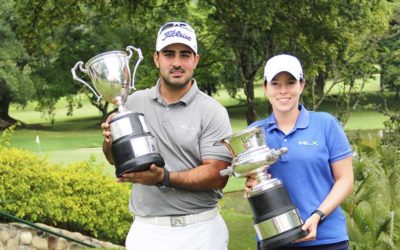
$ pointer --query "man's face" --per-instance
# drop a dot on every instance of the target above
(176, 63)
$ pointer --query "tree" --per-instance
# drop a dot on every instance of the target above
(15, 84)
(322, 33)
(56, 34)
(390, 55)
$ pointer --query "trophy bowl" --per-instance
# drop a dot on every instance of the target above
(110, 74)
(133, 148)
(276, 220)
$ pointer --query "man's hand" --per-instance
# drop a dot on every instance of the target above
(151, 177)
(107, 139)
(106, 129)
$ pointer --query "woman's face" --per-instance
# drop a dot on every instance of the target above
(283, 92)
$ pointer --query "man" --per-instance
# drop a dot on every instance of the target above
(175, 207)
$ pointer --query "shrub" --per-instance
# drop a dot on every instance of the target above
(373, 207)
(77, 197)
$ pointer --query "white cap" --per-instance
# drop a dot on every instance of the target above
(176, 32)
(283, 63)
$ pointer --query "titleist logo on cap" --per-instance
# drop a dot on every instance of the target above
(174, 33)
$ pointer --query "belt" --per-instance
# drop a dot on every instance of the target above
(179, 220)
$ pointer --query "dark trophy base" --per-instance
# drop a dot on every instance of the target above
(283, 238)
(127, 160)
(273, 202)
(138, 164)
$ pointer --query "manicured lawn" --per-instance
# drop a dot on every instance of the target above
(237, 214)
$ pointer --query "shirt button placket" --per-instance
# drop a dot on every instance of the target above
(284, 143)
(164, 115)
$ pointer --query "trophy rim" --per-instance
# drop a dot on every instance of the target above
(96, 58)
(239, 136)
(249, 131)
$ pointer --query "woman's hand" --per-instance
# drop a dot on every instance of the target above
(310, 225)
(251, 181)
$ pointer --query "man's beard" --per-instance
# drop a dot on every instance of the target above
(176, 86)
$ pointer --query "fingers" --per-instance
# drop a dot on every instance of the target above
(106, 129)
(310, 225)
(156, 169)
(251, 181)
(106, 132)
(151, 177)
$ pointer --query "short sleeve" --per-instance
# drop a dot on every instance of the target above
(215, 126)
(337, 141)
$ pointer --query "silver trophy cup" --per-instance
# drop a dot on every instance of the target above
(133, 148)
(276, 219)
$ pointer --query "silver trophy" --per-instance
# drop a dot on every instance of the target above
(276, 219)
(133, 148)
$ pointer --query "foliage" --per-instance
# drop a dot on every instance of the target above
(390, 55)
(77, 197)
(392, 131)
(6, 136)
(373, 208)
(11, 52)
(54, 35)
(332, 38)
(15, 84)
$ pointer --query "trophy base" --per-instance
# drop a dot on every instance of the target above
(276, 220)
(283, 238)
(140, 163)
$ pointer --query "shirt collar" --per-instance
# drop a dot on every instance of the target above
(302, 121)
(186, 99)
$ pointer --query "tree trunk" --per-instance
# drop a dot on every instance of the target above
(320, 86)
(248, 71)
(319, 90)
(5, 99)
(251, 114)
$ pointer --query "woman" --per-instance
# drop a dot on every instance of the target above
(317, 170)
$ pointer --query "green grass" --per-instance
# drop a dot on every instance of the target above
(29, 115)
(234, 185)
(371, 85)
(241, 233)
(236, 212)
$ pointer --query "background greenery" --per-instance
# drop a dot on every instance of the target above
(72, 140)
(350, 52)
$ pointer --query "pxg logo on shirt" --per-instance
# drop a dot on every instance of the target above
(308, 143)
(174, 33)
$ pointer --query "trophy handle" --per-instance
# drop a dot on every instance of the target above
(139, 51)
(75, 77)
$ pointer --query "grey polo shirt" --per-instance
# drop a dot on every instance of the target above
(185, 133)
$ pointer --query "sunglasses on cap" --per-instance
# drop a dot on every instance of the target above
(176, 24)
